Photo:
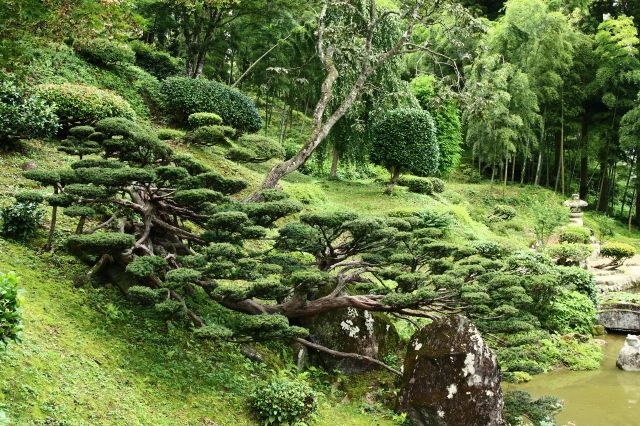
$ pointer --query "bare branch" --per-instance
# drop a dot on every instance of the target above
(348, 355)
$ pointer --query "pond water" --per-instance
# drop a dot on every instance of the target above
(607, 396)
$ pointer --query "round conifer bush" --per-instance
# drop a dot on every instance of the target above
(404, 141)
(256, 148)
(105, 52)
(417, 184)
(210, 135)
(155, 62)
(169, 134)
(618, 252)
(575, 234)
(199, 119)
(80, 104)
(184, 96)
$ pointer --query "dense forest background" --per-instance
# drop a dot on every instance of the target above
(216, 196)
(524, 91)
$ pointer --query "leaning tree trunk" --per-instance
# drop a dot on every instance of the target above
(321, 128)
(335, 158)
(395, 175)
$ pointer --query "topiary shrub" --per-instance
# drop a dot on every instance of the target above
(82, 140)
(169, 134)
(438, 184)
(569, 254)
(446, 116)
(21, 221)
(404, 141)
(210, 135)
(184, 96)
(419, 185)
(79, 104)
(284, 402)
(23, 115)
(489, 249)
(618, 252)
(9, 308)
(255, 149)
(155, 62)
(575, 234)
(199, 119)
(503, 212)
(105, 52)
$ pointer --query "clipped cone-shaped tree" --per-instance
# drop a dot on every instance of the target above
(404, 141)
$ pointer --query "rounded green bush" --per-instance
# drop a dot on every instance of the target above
(405, 140)
(169, 134)
(210, 135)
(105, 52)
(23, 115)
(118, 126)
(100, 243)
(489, 249)
(10, 324)
(578, 279)
(79, 104)
(284, 402)
(569, 254)
(184, 96)
(199, 119)
(571, 312)
(438, 184)
(155, 62)
(21, 221)
(81, 132)
(417, 184)
(619, 252)
(263, 147)
(575, 234)
(29, 197)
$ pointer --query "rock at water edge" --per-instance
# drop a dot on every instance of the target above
(451, 377)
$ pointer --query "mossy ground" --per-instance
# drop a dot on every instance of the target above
(90, 357)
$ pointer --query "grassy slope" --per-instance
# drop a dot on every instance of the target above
(88, 357)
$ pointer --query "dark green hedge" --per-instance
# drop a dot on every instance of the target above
(184, 96)
(405, 139)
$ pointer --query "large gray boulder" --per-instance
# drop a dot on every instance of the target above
(352, 330)
(451, 377)
(629, 355)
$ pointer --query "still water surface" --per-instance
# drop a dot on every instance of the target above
(605, 397)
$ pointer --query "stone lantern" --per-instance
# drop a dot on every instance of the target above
(575, 205)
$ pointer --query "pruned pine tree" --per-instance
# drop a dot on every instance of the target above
(171, 223)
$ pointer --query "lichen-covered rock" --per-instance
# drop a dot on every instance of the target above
(629, 355)
(451, 377)
(352, 330)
